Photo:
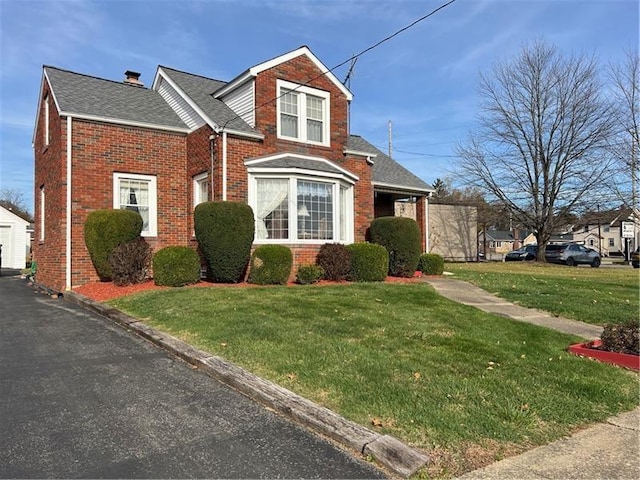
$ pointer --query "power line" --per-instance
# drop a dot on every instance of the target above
(353, 58)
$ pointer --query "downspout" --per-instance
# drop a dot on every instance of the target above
(426, 219)
(224, 166)
(68, 219)
(212, 146)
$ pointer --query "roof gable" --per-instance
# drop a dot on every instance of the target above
(7, 215)
(261, 67)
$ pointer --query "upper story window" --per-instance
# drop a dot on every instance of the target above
(138, 193)
(303, 114)
(42, 212)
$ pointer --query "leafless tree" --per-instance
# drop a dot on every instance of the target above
(14, 201)
(541, 146)
(625, 145)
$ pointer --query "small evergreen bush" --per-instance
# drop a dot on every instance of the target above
(402, 238)
(335, 260)
(176, 266)
(431, 264)
(622, 338)
(225, 232)
(369, 262)
(130, 262)
(104, 230)
(270, 265)
(308, 274)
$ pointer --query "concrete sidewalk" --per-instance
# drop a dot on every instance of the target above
(606, 451)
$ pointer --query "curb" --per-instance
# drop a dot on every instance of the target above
(385, 449)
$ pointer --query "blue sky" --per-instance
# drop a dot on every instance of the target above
(423, 80)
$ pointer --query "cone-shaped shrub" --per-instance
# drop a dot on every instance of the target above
(104, 230)
(402, 239)
(176, 266)
(224, 231)
(369, 262)
(270, 265)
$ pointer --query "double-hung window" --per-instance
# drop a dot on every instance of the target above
(303, 113)
(200, 189)
(137, 193)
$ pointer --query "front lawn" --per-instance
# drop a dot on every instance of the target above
(592, 295)
(465, 386)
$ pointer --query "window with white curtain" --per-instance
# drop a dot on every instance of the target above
(301, 209)
(303, 113)
(137, 193)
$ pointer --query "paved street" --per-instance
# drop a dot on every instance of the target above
(82, 398)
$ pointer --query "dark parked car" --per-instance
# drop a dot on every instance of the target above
(528, 252)
(572, 254)
(635, 258)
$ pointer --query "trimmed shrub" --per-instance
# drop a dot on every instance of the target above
(130, 262)
(431, 264)
(335, 260)
(225, 231)
(270, 265)
(369, 262)
(176, 266)
(104, 230)
(308, 274)
(622, 338)
(402, 239)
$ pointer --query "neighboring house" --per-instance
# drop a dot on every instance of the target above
(453, 231)
(14, 239)
(494, 244)
(602, 231)
(276, 137)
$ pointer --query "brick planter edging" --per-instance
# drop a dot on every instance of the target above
(587, 349)
(387, 450)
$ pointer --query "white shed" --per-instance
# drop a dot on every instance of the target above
(14, 239)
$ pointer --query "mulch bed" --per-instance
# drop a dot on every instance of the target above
(103, 291)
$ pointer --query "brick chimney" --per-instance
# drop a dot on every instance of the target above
(132, 78)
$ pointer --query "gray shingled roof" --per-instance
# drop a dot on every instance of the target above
(200, 90)
(85, 95)
(385, 169)
(297, 162)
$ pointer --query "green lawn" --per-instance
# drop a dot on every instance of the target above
(465, 386)
(592, 295)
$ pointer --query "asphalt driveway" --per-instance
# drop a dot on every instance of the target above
(82, 398)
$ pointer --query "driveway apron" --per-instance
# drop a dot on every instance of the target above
(82, 398)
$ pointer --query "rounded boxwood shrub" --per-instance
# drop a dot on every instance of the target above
(130, 262)
(225, 231)
(431, 264)
(270, 265)
(369, 262)
(335, 260)
(402, 238)
(104, 230)
(308, 274)
(176, 266)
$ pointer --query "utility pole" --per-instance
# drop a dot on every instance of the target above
(390, 146)
(599, 235)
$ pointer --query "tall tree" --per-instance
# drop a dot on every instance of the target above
(14, 200)
(541, 146)
(625, 145)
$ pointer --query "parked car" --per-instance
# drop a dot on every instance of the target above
(528, 252)
(635, 258)
(572, 254)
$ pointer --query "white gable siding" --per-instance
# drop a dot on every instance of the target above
(242, 101)
(179, 105)
(14, 239)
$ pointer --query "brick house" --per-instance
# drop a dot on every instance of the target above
(276, 137)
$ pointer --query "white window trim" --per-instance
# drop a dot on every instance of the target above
(302, 92)
(42, 212)
(153, 198)
(293, 218)
(196, 190)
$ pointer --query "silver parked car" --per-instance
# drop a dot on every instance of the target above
(572, 254)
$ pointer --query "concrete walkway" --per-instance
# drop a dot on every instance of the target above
(606, 451)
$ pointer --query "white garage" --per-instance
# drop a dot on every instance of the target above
(14, 239)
